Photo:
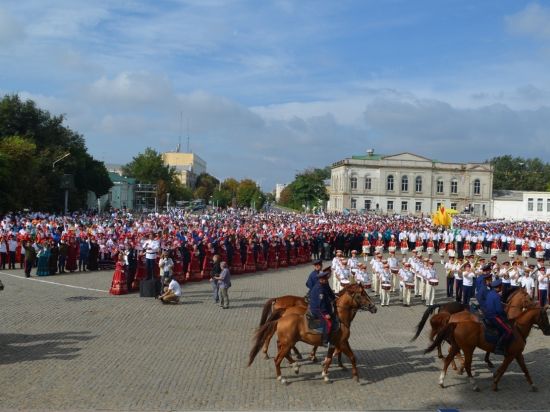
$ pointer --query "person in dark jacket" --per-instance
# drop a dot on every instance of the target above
(482, 284)
(321, 301)
(313, 278)
(215, 272)
(496, 316)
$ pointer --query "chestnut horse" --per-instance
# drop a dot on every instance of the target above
(465, 332)
(516, 303)
(283, 307)
(293, 327)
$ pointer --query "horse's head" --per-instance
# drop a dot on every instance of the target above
(360, 298)
(518, 302)
(542, 321)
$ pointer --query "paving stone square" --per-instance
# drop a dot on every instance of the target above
(71, 345)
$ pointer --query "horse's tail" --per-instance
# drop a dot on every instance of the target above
(275, 316)
(441, 336)
(260, 337)
(268, 307)
(429, 310)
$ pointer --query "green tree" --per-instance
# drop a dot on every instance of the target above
(205, 186)
(33, 139)
(517, 173)
(148, 167)
(249, 194)
(307, 190)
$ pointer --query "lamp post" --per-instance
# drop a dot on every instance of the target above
(65, 183)
(167, 201)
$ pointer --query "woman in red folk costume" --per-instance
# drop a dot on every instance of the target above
(430, 247)
(272, 262)
(525, 250)
(479, 248)
(451, 252)
(365, 248)
(261, 263)
(512, 250)
(72, 255)
(392, 246)
(494, 248)
(209, 252)
(293, 256)
(141, 271)
(194, 273)
(223, 251)
(178, 272)
(418, 247)
(441, 251)
(281, 255)
(250, 264)
(118, 285)
(236, 265)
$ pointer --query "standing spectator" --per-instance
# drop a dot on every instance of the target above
(30, 256)
(54, 256)
(12, 246)
(3, 251)
(151, 247)
(43, 256)
(93, 255)
(166, 265)
(224, 283)
(72, 255)
(83, 257)
(216, 270)
(131, 265)
(63, 251)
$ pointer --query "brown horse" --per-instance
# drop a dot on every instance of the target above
(293, 327)
(282, 308)
(518, 301)
(465, 333)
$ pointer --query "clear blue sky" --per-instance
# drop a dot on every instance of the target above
(268, 88)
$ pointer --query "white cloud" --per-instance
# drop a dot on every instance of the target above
(534, 21)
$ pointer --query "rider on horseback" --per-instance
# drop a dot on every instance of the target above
(321, 303)
(495, 315)
(482, 284)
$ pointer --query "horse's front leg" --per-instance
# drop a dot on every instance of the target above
(313, 353)
(346, 348)
(297, 353)
(521, 362)
(507, 360)
(327, 363)
(488, 361)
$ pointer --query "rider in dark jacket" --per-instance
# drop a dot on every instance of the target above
(496, 316)
(321, 301)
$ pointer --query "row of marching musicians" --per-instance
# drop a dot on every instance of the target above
(417, 276)
(534, 278)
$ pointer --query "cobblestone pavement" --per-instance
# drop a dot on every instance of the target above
(70, 348)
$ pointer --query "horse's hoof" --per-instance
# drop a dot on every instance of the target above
(476, 388)
(490, 365)
(314, 359)
(534, 388)
(327, 379)
(299, 356)
(284, 381)
(442, 386)
(495, 388)
(266, 356)
(297, 370)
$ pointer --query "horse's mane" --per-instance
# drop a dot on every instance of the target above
(514, 293)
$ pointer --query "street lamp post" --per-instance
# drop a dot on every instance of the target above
(66, 183)
(167, 201)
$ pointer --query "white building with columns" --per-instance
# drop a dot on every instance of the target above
(407, 183)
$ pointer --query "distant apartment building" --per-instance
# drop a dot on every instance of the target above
(188, 166)
(120, 196)
(520, 205)
(279, 187)
(407, 183)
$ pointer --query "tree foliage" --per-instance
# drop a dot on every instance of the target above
(306, 191)
(31, 139)
(517, 173)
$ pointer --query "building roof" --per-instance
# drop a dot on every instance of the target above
(116, 178)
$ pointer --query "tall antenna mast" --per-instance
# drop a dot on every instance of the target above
(181, 129)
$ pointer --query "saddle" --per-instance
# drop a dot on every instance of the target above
(315, 325)
(491, 333)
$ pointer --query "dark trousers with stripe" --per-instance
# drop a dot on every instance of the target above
(466, 294)
(458, 289)
(543, 296)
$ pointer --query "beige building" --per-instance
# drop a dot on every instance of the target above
(519, 205)
(187, 165)
(406, 183)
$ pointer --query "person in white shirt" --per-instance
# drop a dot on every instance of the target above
(407, 283)
(12, 246)
(394, 269)
(152, 247)
(377, 267)
(172, 293)
(544, 279)
(362, 276)
(467, 284)
(385, 282)
(431, 282)
(526, 282)
(449, 271)
(353, 262)
(166, 264)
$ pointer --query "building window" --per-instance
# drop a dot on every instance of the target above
(530, 204)
(353, 183)
(367, 204)
(418, 207)
(368, 183)
(477, 187)
(404, 206)
(390, 205)
(419, 183)
(353, 203)
(548, 205)
(539, 205)
(439, 185)
(389, 186)
(454, 186)
(404, 184)
(454, 205)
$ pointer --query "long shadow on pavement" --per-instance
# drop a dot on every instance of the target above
(26, 347)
